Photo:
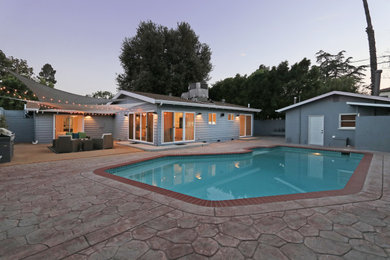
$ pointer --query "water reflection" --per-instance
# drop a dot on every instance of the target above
(264, 173)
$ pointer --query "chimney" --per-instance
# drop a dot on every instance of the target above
(249, 105)
(197, 92)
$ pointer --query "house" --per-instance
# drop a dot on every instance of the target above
(340, 119)
(165, 119)
(384, 92)
(139, 117)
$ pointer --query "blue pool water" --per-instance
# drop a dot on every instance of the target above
(264, 172)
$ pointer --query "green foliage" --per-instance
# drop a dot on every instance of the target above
(47, 76)
(274, 88)
(3, 123)
(12, 87)
(102, 94)
(162, 60)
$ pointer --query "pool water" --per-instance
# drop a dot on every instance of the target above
(263, 172)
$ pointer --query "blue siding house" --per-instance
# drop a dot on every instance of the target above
(340, 119)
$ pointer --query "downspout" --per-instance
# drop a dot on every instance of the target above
(300, 126)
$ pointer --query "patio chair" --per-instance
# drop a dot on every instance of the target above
(106, 142)
(65, 144)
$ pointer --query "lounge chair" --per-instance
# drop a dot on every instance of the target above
(106, 142)
(65, 144)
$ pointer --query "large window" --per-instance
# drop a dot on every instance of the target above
(141, 127)
(68, 124)
(178, 127)
(230, 117)
(212, 118)
(347, 121)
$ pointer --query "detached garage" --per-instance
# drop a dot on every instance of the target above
(340, 119)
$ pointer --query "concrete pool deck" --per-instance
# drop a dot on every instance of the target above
(61, 209)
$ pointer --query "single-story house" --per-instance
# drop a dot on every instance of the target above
(138, 117)
(340, 119)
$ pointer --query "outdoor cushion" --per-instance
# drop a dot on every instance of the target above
(75, 135)
(82, 135)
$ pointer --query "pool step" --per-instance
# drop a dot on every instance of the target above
(259, 152)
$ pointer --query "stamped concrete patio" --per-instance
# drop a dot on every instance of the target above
(60, 209)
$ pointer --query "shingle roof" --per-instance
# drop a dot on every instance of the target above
(160, 97)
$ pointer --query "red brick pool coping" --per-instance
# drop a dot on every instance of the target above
(354, 184)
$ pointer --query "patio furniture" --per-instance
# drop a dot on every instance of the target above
(86, 144)
(65, 144)
(106, 142)
(6, 145)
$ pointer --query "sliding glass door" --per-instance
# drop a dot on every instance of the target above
(245, 125)
(141, 127)
(178, 127)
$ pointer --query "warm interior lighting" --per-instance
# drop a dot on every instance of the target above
(198, 176)
(88, 117)
(237, 165)
(316, 154)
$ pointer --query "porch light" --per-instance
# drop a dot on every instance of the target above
(237, 115)
(199, 113)
(154, 113)
(222, 114)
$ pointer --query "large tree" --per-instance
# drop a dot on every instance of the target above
(102, 94)
(162, 60)
(47, 75)
(272, 88)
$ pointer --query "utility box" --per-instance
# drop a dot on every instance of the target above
(6, 148)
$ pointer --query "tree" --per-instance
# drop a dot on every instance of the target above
(272, 88)
(47, 75)
(12, 87)
(162, 60)
(371, 45)
(102, 94)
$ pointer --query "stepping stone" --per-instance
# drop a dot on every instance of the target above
(205, 246)
(298, 251)
(265, 252)
(326, 246)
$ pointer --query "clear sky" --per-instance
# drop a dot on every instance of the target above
(82, 39)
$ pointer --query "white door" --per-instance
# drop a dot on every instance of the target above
(316, 130)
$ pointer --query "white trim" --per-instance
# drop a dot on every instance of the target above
(239, 129)
(180, 103)
(341, 93)
(367, 104)
(133, 95)
(347, 127)
(173, 137)
(140, 123)
(212, 117)
(323, 130)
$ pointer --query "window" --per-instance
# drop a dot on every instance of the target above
(347, 121)
(230, 117)
(212, 118)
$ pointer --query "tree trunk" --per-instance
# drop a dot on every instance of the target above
(371, 45)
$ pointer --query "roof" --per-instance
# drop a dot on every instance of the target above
(48, 94)
(172, 100)
(340, 93)
(384, 90)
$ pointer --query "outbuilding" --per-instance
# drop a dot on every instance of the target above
(340, 119)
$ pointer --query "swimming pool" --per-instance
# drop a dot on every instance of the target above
(263, 172)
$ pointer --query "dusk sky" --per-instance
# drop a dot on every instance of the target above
(82, 39)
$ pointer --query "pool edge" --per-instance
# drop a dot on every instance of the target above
(354, 185)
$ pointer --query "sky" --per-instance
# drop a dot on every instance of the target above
(82, 39)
